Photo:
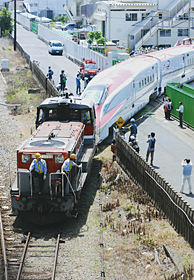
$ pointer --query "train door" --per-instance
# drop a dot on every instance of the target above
(133, 95)
(88, 118)
(183, 65)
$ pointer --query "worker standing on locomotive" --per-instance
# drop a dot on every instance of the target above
(67, 167)
(38, 168)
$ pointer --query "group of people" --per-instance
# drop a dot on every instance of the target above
(38, 169)
(133, 142)
(186, 163)
(63, 80)
(168, 107)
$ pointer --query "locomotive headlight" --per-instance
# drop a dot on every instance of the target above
(59, 159)
(25, 158)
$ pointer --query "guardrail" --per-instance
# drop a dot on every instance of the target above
(161, 193)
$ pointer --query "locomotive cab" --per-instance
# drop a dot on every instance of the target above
(69, 109)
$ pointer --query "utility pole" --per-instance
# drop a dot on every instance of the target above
(14, 25)
(105, 30)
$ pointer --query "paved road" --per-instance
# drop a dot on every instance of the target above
(173, 144)
(38, 50)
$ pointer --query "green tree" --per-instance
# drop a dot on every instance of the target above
(91, 37)
(100, 41)
(97, 35)
(55, 18)
(5, 20)
(64, 19)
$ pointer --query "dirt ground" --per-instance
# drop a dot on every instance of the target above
(139, 243)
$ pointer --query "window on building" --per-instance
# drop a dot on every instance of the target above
(144, 15)
(35, 4)
(131, 17)
(160, 16)
(165, 33)
(144, 31)
(185, 16)
(183, 32)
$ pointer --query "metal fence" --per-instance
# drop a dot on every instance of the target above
(161, 193)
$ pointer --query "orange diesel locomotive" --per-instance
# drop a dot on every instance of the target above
(55, 141)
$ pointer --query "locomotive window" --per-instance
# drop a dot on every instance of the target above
(86, 117)
(73, 114)
(52, 114)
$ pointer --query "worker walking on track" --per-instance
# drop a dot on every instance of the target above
(67, 167)
(38, 168)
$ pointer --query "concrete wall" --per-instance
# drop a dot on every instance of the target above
(73, 50)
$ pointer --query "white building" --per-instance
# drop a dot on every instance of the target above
(154, 22)
(36, 6)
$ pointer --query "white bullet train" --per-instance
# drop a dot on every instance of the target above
(125, 88)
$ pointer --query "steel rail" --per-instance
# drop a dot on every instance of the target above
(56, 256)
(3, 247)
(23, 257)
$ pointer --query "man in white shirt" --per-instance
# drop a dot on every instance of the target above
(180, 110)
(187, 170)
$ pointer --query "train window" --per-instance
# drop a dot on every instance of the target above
(139, 85)
(145, 81)
(142, 83)
(190, 61)
(133, 84)
(73, 114)
(153, 77)
(52, 113)
(148, 78)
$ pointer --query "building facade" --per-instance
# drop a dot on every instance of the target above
(152, 23)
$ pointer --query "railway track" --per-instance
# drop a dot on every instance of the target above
(39, 258)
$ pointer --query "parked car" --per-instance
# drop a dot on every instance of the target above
(55, 47)
(88, 28)
(58, 24)
(68, 26)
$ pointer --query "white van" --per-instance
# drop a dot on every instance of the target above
(55, 47)
(58, 24)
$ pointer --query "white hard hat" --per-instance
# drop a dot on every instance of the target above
(132, 137)
(132, 120)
